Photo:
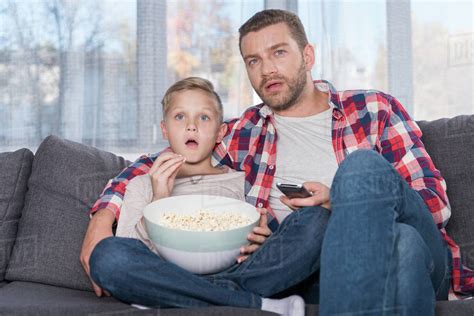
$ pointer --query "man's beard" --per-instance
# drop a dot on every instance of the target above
(282, 101)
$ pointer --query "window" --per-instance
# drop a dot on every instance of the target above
(443, 58)
(350, 42)
(67, 68)
(95, 71)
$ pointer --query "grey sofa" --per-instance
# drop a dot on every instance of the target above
(44, 200)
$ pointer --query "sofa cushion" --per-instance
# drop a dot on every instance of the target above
(25, 298)
(65, 181)
(450, 143)
(15, 169)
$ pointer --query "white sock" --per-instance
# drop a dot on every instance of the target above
(140, 306)
(291, 306)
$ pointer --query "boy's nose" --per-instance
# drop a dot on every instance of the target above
(191, 128)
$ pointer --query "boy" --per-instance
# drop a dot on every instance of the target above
(193, 125)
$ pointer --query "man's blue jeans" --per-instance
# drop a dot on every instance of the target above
(382, 253)
(127, 269)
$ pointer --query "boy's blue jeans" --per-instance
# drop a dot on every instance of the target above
(127, 269)
(381, 254)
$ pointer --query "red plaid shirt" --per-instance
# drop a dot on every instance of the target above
(362, 119)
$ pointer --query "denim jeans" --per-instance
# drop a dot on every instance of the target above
(127, 269)
(382, 253)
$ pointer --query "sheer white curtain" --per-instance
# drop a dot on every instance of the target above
(421, 51)
(67, 68)
(95, 71)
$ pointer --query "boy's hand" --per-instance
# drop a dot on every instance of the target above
(163, 172)
(257, 237)
(320, 197)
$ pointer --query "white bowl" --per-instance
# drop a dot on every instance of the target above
(200, 252)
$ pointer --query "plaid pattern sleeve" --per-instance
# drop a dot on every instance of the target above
(401, 145)
(367, 119)
(416, 166)
(111, 197)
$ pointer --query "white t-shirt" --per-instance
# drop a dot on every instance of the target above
(304, 153)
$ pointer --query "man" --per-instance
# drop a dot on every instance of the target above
(382, 252)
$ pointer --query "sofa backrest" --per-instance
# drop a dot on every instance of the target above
(450, 143)
(66, 179)
(15, 169)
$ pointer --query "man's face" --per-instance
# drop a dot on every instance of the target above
(275, 65)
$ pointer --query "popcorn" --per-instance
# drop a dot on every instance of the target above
(204, 221)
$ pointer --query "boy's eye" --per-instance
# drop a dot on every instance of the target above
(204, 117)
(179, 117)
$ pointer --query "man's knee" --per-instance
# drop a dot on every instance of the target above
(365, 176)
(412, 249)
(363, 160)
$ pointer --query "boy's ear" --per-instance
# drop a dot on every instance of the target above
(164, 132)
(221, 133)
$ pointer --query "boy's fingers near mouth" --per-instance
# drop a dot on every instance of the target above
(161, 159)
(169, 163)
(174, 168)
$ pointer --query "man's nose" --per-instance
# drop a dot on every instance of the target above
(268, 67)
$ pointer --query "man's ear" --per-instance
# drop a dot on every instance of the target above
(221, 133)
(164, 131)
(309, 56)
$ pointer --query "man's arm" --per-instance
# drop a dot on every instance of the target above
(401, 145)
(100, 227)
(111, 197)
(107, 209)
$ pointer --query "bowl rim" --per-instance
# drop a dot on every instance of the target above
(147, 218)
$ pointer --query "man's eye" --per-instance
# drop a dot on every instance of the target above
(179, 117)
(204, 117)
(280, 52)
(252, 62)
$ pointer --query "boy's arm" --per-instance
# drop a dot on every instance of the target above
(401, 145)
(138, 196)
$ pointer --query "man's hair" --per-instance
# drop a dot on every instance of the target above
(192, 83)
(266, 18)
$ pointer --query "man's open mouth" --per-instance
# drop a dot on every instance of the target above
(273, 85)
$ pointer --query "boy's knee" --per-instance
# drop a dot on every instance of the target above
(101, 261)
(109, 255)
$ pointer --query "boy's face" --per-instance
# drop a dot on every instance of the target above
(192, 125)
(276, 66)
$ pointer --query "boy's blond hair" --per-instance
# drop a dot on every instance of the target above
(192, 83)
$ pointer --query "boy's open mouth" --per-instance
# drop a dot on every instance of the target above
(191, 143)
